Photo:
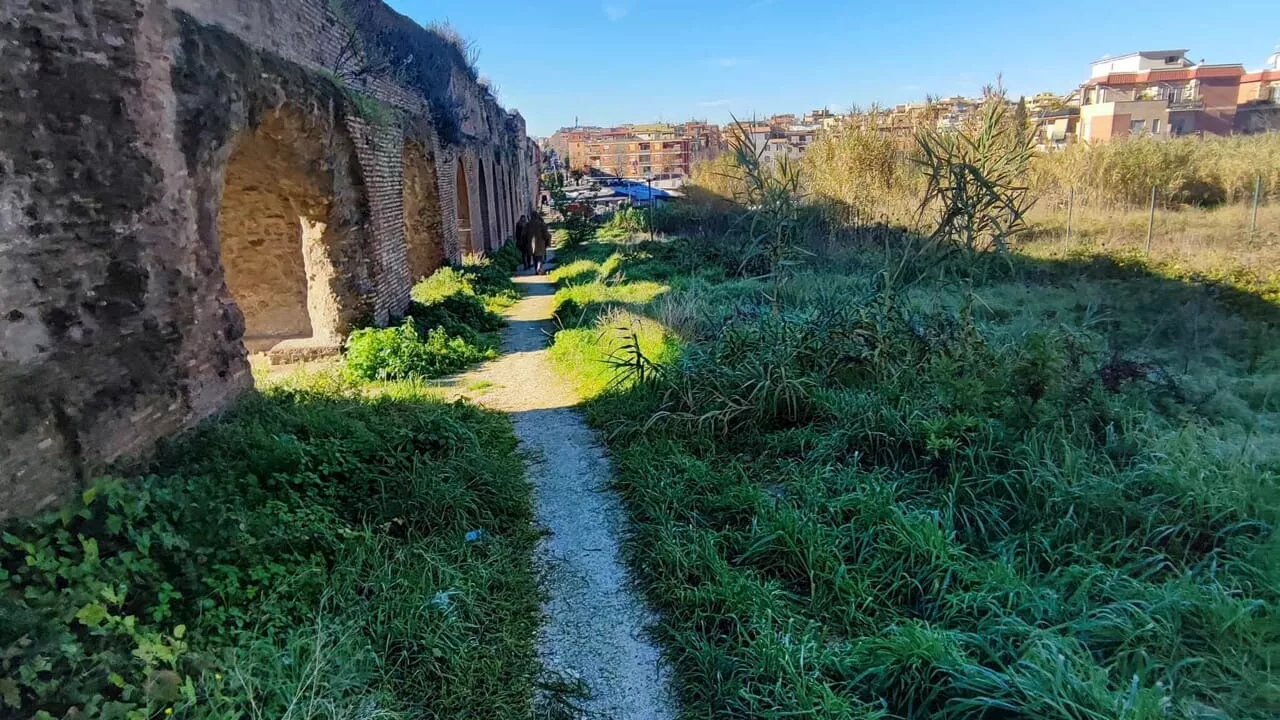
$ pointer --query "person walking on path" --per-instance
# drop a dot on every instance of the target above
(539, 241)
(522, 243)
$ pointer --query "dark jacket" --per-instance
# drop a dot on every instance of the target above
(522, 235)
(539, 236)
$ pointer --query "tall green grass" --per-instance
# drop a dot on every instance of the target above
(325, 550)
(1045, 493)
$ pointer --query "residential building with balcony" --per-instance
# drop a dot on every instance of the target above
(633, 156)
(1056, 128)
(1260, 98)
(706, 141)
(1158, 93)
(1262, 85)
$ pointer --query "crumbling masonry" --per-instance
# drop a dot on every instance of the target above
(185, 182)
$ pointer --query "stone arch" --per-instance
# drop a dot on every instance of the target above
(279, 231)
(463, 202)
(423, 220)
(486, 221)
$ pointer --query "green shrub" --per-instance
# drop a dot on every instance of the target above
(506, 259)
(579, 227)
(624, 222)
(407, 351)
(303, 557)
(478, 278)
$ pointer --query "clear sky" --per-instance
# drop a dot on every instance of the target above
(612, 61)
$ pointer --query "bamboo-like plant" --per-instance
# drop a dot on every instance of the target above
(976, 179)
(771, 193)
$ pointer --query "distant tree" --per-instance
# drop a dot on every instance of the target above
(1020, 118)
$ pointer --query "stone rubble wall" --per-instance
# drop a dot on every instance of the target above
(118, 119)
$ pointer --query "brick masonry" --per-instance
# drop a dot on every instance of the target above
(118, 121)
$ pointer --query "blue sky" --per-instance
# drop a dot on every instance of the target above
(612, 61)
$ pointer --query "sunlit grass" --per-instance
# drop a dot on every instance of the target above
(1047, 492)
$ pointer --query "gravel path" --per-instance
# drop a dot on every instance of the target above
(594, 621)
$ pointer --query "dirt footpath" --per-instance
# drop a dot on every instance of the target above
(593, 631)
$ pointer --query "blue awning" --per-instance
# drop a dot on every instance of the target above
(640, 193)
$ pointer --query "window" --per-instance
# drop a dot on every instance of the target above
(1275, 93)
(645, 158)
(1155, 126)
(1171, 60)
(644, 147)
(1137, 127)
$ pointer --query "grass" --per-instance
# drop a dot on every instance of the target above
(1047, 488)
(312, 554)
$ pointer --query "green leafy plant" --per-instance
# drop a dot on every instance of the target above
(406, 351)
(282, 562)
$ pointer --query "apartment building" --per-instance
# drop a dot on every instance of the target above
(565, 140)
(1262, 86)
(638, 150)
(706, 141)
(1158, 93)
(630, 155)
(1260, 98)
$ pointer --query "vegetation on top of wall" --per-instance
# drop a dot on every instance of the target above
(327, 549)
(423, 59)
(374, 110)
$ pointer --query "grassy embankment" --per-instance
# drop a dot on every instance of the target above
(335, 547)
(1031, 489)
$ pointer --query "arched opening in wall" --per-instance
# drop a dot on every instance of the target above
(504, 197)
(499, 207)
(274, 234)
(511, 201)
(486, 223)
(423, 227)
(463, 201)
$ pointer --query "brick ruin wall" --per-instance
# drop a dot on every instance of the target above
(179, 179)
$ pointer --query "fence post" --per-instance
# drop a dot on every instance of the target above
(652, 202)
(1257, 193)
(1151, 220)
(1071, 203)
